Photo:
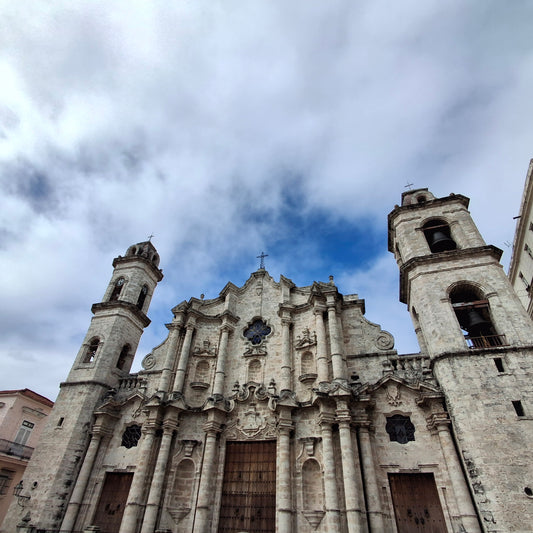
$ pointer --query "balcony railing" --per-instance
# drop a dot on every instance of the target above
(18, 450)
(486, 341)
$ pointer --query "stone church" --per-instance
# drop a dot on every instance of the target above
(277, 408)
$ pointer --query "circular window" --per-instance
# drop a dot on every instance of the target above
(257, 331)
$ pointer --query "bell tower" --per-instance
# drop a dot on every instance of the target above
(106, 355)
(470, 322)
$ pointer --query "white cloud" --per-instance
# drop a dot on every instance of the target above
(198, 121)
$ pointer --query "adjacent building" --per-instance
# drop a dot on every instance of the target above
(278, 408)
(23, 414)
(521, 267)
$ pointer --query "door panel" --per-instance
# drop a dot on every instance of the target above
(112, 501)
(416, 503)
(249, 488)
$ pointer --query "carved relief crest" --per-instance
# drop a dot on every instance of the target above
(305, 340)
(206, 349)
(393, 394)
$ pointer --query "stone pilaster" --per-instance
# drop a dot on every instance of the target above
(205, 493)
(373, 498)
(78, 493)
(286, 359)
(321, 346)
(135, 497)
(179, 380)
(168, 366)
(355, 514)
(467, 513)
(330, 475)
(283, 474)
(156, 486)
(337, 361)
(220, 373)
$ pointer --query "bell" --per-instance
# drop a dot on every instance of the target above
(440, 242)
(475, 324)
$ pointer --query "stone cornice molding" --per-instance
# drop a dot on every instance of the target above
(452, 256)
(156, 272)
(121, 304)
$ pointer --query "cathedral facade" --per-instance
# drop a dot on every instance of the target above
(277, 408)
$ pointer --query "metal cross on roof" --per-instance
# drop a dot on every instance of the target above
(408, 186)
(262, 257)
(150, 237)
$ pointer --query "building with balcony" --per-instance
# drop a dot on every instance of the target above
(23, 414)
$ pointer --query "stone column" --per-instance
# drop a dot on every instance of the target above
(330, 476)
(286, 363)
(283, 474)
(220, 373)
(78, 493)
(321, 346)
(168, 366)
(337, 362)
(179, 380)
(156, 486)
(355, 514)
(135, 497)
(373, 498)
(463, 498)
(205, 491)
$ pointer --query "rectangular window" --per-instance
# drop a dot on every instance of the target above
(24, 432)
(5, 479)
(518, 408)
(498, 361)
(531, 226)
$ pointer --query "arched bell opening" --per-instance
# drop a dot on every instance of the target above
(438, 236)
(473, 314)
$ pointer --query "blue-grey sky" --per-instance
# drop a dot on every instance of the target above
(229, 128)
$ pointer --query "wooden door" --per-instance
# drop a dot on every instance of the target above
(249, 488)
(112, 501)
(416, 503)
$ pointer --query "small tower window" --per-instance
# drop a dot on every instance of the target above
(123, 356)
(519, 409)
(498, 361)
(473, 314)
(142, 297)
(90, 354)
(400, 429)
(438, 236)
(117, 289)
(131, 436)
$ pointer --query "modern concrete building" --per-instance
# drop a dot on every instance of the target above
(277, 408)
(23, 414)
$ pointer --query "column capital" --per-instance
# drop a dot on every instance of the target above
(326, 419)
(174, 325)
(319, 309)
(439, 421)
(212, 427)
(344, 416)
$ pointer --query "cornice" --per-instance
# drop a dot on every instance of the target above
(443, 257)
(157, 272)
(121, 304)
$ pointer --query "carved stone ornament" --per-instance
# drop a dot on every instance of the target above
(314, 517)
(393, 394)
(254, 391)
(385, 341)
(305, 340)
(206, 350)
(149, 362)
(255, 350)
(253, 425)
(178, 513)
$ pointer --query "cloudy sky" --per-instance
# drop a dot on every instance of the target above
(229, 128)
